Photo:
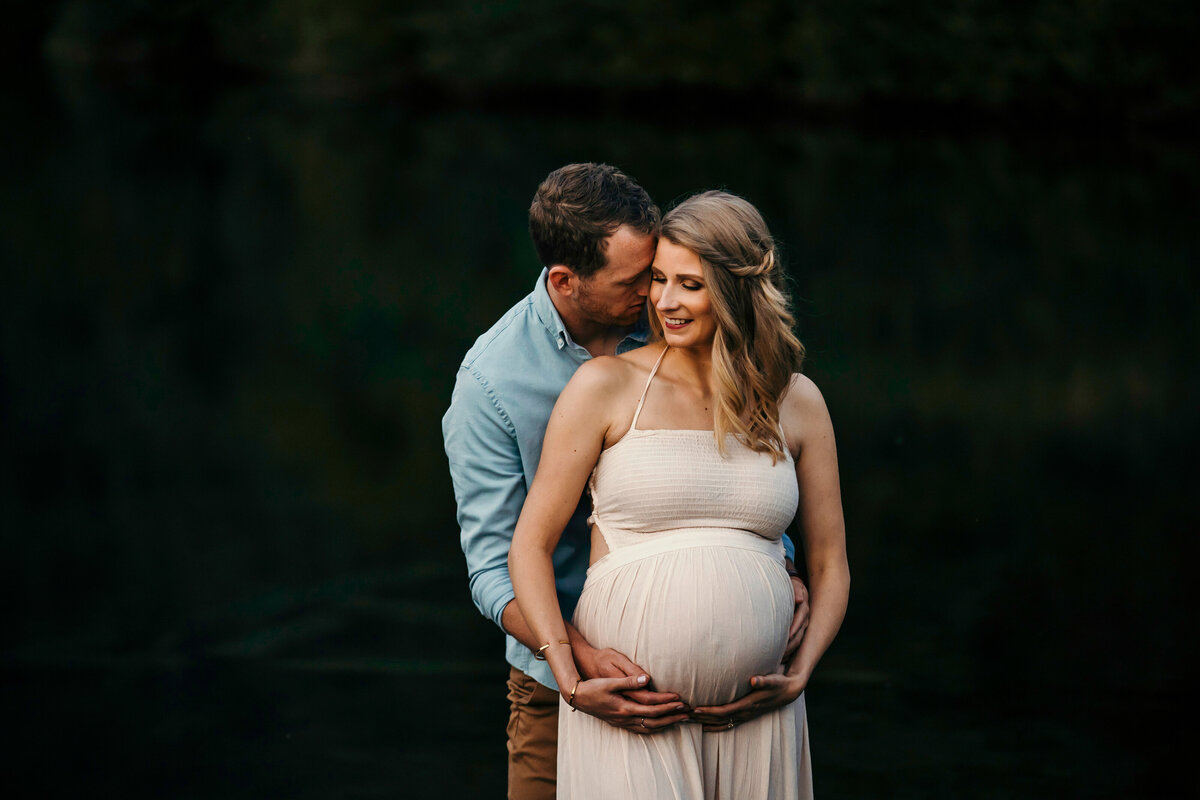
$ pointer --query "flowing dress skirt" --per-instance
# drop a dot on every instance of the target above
(701, 610)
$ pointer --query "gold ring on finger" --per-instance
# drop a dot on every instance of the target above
(643, 721)
(731, 723)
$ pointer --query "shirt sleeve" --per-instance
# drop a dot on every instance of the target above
(789, 548)
(489, 487)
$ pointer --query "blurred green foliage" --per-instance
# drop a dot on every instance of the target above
(226, 374)
(1067, 56)
(242, 266)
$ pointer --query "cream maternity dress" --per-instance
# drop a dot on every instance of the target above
(694, 591)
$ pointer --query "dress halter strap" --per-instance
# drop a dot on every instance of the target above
(642, 399)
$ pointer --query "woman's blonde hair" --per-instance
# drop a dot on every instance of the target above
(755, 351)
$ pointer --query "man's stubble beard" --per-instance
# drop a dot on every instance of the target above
(598, 314)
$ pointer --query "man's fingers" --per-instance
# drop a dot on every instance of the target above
(620, 661)
(800, 617)
(793, 642)
(799, 591)
(608, 668)
(792, 646)
(615, 664)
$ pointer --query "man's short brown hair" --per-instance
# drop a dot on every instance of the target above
(578, 206)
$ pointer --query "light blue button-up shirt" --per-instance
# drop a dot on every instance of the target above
(505, 390)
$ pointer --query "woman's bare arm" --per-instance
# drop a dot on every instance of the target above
(574, 439)
(823, 528)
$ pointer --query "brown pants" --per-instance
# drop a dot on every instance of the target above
(532, 738)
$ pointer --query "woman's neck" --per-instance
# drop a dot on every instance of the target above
(693, 365)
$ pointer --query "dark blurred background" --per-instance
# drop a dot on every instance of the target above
(246, 244)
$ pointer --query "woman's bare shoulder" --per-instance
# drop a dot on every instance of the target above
(802, 391)
(606, 389)
(643, 356)
(607, 379)
(614, 371)
(802, 412)
(603, 372)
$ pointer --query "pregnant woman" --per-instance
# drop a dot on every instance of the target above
(701, 447)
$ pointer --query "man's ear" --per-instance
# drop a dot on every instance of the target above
(562, 280)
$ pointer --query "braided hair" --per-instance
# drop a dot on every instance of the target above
(755, 351)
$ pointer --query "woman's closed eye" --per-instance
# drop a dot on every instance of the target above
(691, 286)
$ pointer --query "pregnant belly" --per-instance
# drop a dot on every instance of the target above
(700, 620)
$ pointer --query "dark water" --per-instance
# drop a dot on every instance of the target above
(230, 321)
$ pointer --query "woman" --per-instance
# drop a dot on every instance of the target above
(699, 446)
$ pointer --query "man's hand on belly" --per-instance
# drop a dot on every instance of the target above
(799, 617)
(609, 663)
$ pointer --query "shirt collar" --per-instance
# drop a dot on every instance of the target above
(548, 314)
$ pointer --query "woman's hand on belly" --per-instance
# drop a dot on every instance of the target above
(606, 699)
(767, 693)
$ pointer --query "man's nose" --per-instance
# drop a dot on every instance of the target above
(643, 287)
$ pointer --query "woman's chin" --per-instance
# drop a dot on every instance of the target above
(685, 338)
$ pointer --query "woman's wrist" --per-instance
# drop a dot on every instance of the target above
(798, 674)
(570, 696)
(584, 655)
(796, 686)
(563, 667)
(541, 654)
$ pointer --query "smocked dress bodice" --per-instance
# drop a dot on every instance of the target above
(662, 480)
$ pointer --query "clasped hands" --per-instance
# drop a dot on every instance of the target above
(617, 691)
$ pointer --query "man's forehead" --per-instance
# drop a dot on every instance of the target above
(627, 253)
(626, 236)
(626, 270)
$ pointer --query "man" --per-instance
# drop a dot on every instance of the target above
(595, 230)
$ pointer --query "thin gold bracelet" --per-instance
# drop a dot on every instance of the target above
(571, 699)
(539, 654)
